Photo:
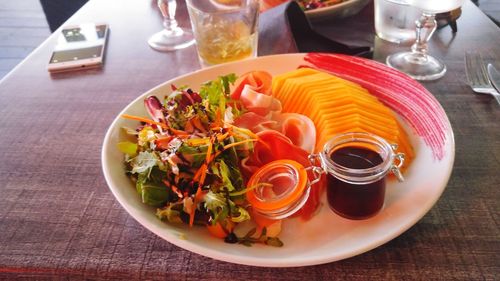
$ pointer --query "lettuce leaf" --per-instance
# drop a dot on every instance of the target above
(151, 188)
(216, 203)
(223, 172)
(193, 154)
(222, 207)
(212, 90)
(171, 213)
(144, 162)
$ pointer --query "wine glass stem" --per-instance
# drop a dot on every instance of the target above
(426, 25)
(168, 9)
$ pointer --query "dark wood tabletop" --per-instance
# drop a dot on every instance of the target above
(58, 219)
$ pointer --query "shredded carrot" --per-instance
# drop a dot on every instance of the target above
(198, 173)
(217, 230)
(174, 188)
(205, 141)
(178, 132)
(196, 142)
(209, 151)
(193, 210)
(197, 196)
(197, 124)
(238, 143)
(143, 119)
(223, 136)
(163, 142)
(217, 122)
(215, 128)
(216, 155)
(201, 174)
(242, 130)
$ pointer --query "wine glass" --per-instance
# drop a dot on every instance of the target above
(417, 63)
(172, 37)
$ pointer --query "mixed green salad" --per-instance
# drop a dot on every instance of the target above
(185, 160)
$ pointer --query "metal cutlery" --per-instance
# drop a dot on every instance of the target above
(477, 75)
(494, 76)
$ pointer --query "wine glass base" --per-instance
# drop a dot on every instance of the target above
(417, 66)
(165, 40)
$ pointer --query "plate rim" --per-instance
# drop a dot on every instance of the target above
(324, 11)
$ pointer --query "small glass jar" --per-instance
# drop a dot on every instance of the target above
(356, 165)
(280, 188)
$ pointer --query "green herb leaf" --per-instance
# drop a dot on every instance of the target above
(169, 214)
(227, 81)
(241, 215)
(274, 241)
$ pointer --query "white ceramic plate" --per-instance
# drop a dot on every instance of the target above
(341, 10)
(327, 237)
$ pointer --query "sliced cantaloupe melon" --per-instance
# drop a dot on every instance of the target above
(304, 89)
(386, 131)
(338, 106)
(302, 85)
(279, 79)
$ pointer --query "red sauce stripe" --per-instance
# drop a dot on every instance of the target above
(398, 91)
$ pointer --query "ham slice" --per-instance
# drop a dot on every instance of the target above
(260, 81)
(254, 122)
(281, 135)
(273, 145)
(259, 103)
(298, 128)
(264, 111)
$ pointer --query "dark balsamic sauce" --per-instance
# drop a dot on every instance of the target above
(355, 201)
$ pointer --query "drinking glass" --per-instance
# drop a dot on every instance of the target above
(417, 63)
(395, 20)
(225, 30)
(172, 37)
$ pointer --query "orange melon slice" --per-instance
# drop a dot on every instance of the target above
(338, 106)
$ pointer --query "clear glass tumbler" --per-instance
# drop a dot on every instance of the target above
(395, 20)
(225, 30)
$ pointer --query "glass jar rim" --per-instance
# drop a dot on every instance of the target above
(288, 202)
(353, 175)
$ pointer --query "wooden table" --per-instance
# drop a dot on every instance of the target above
(58, 220)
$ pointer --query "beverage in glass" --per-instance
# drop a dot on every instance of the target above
(225, 30)
(395, 20)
